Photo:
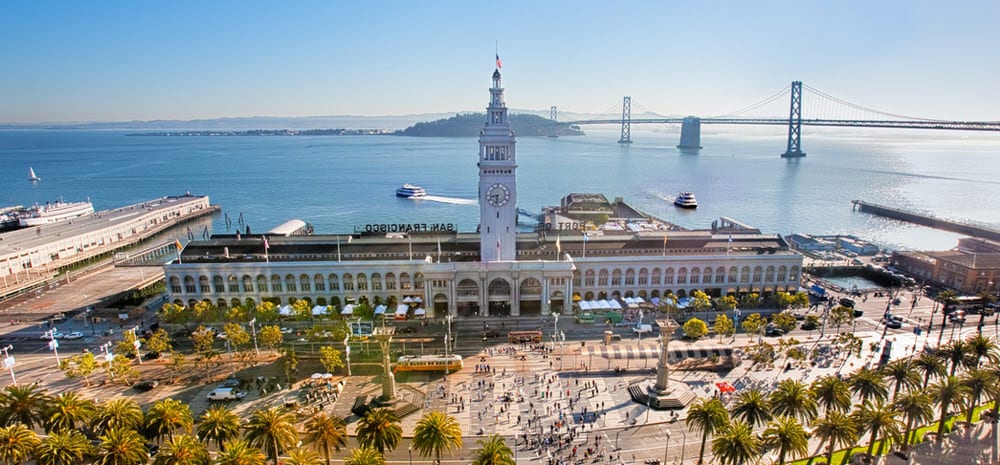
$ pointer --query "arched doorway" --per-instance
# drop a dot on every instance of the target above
(498, 295)
(440, 304)
(557, 302)
(467, 297)
(531, 297)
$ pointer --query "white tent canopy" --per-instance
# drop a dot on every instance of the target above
(407, 300)
(402, 309)
(285, 310)
(584, 305)
(319, 310)
(348, 310)
(614, 304)
(418, 299)
(419, 312)
(380, 310)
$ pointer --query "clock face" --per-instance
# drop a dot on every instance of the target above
(498, 195)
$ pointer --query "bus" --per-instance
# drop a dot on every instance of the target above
(517, 337)
(970, 304)
(450, 363)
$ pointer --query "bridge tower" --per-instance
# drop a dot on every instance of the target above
(794, 149)
(690, 133)
(552, 113)
(626, 121)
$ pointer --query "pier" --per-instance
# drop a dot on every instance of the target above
(927, 220)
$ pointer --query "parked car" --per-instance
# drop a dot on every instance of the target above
(146, 385)
(230, 383)
(226, 393)
(858, 312)
(73, 335)
(48, 335)
(846, 302)
(773, 330)
(286, 330)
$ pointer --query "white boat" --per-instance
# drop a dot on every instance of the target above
(53, 213)
(32, 176)
(686, 200)
(410, 191)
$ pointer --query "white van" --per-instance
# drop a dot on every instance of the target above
(227, 393)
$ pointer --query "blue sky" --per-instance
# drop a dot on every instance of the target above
(142, 60)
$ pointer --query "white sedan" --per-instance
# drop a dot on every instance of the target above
(48, 335)
(73, 335)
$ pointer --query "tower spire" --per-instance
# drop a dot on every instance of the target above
(497, 180)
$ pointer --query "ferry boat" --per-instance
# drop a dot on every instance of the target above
(53, 213)
(686, 200)
(410, 191)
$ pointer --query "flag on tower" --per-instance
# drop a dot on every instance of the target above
(178, 244)
(499, 63)
(266, 246)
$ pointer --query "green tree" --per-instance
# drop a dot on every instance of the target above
(868, 384)
(273, 430)
(120, 370)
(270, 337)
(325, 432)
(903, 374)
(792, 398)
(836, 429)
(957, 353)
(786, 435)
(724, 326)
(695, 329)
(177, 365)
(379, 429)
(67, 411)
(117, 413)
(183, 449)
(68, 447)
(736, 444)
(917, 408)
(982, 347)
(266, 312)
(167, 416)
(841, 315)
(302, 310)
(303, 456)
(753, 324)
(122, 446)
(879, 419)
(947, 392)
(22, 403)
(17, 443)
(159, 341)
(205, 311)
(219, 424)
(173, 313)
(290, 360)
(832, 393)
(364, 456)
(930, 365)
(236, 335)
(364, 311)
(751, 300)
(330, 358)
(977, 380)
(240, 452)
(203, 339)
(726, 303)
(79, 366)
(700, 301)
(493, 450)
(707, 416)
(437, 432)
(752, 407)
(785, 321)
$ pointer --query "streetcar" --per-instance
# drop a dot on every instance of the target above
(517, 337)
(429, 363)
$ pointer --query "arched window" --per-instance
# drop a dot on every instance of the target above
(602, 278)
(630, 277)
(305, 284)
(404, 282)
(588, 278)
(218, 285)
(576, 278)
(616, 277)
(418, 280)
(758, 274)
(769, 274)
(362, 280)
(695, 275)
(334, 282)
(348, 282)
(706, 278)
(643, 277)
(745, 274)
(275, 283)
(261, 283)
(668, 277)
(319, 283)
(682, 275)
(720, 275)
(732, 274)
(656, 277)
(782, 273)
(376, 282)
(390, 282)
(203, 286)
(289, 283)
(247, 283)
(189, 285)
(175, 285)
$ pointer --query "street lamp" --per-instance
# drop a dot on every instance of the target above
(8, 362)
(409, 450)
(555, 328)
(347, 350)
(666, 445)
(253, 330)
(137, 344)
(54, 345)
(447, 337)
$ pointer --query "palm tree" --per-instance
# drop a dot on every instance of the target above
(122, 446)
(787, 435)
(67, 447)
(437, 432)
(240, 452)
(325, 432)
(752, 407)
(903, 374)
(869, 385)
(978, 380)
(22, 403)
(981, 347)
(118, 413)
(167, 416)
(218, 424)
(66, 411)
(379, 429)
(916, 407)
(273, 430)
(792, 398)
(184, 449)
(736, 444)
(930, 365)
(708, 416)
(957, 353)
(492, 450)
(945, 393)
(17, 442)
(364, 456)
(832, 393)
(837, 430)
(878, 418)
(303, 456)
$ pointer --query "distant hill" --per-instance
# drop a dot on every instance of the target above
(469, 125)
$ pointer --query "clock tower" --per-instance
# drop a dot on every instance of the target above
(497, 182)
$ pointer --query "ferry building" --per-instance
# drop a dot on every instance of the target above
(587, 248)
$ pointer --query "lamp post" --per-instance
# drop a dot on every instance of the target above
(253, 330)
(8, 362)
(562, 351)
(447, 337)
(54, 345)
(555, 329)
(409, 451)
(137, 344)
(347, 350)
(666, 446)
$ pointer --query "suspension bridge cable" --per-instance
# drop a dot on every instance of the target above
(647, 110)
(864, 108)
(767, 101)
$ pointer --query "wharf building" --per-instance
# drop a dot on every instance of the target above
(586, 248)
(972, 267)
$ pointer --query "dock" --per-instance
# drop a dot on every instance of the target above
(927, 220)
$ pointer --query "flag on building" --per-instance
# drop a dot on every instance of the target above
(178, 244)
(499, 64)
(558, 245)
(266, 245)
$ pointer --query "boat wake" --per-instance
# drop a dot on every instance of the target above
(662, 196)
(451, 200)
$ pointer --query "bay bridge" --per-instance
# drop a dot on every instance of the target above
(690, 138)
